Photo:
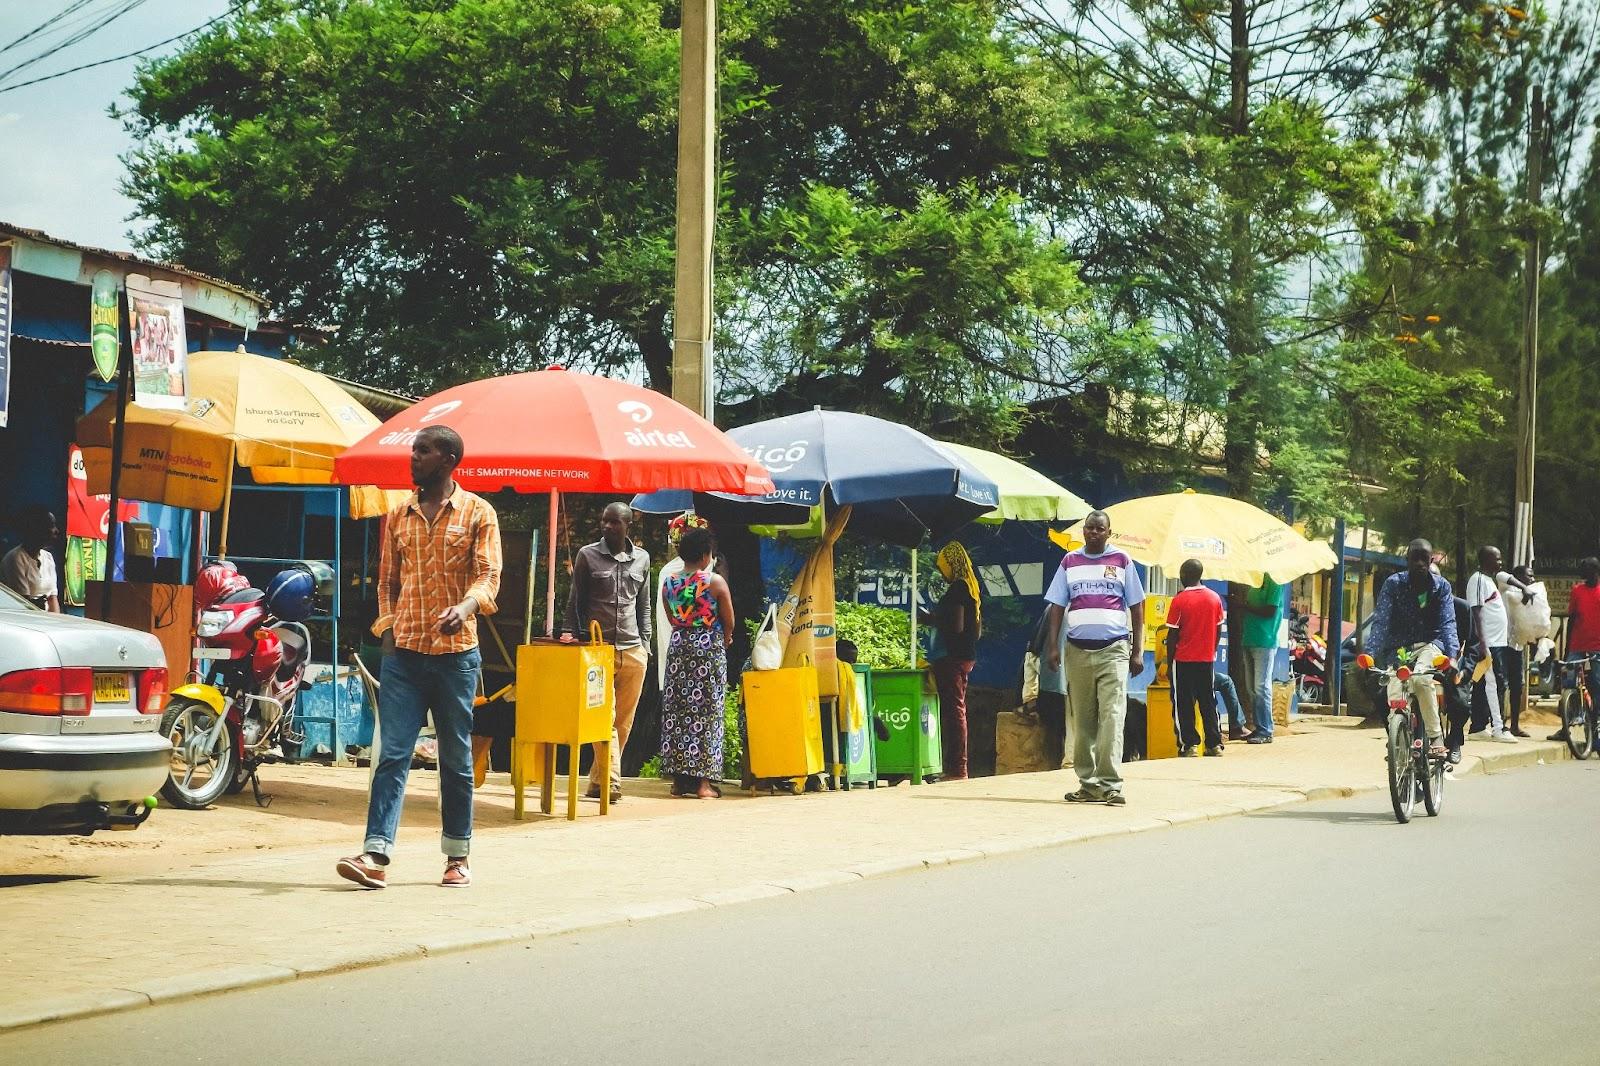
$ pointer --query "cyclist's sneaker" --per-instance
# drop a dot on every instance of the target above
(1455, 757)
(1114, 799)
(1504, 737)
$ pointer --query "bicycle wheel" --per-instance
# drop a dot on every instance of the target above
(1402, 773)
(1577, 721)
(1432, 775)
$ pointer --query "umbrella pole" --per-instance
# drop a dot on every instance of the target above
(913, 608)
(227, 504)
(550, 590)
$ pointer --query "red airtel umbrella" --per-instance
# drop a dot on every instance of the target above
(560, 431)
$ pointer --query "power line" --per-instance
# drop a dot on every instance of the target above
(235, 9)
(77, 37)
(46, 24)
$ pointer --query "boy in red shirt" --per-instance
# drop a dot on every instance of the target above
(1195, 629)
(1583, 627)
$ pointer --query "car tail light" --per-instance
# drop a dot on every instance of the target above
(58, 690)
(153, 690)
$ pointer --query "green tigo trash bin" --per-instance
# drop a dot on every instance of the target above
(908, 705)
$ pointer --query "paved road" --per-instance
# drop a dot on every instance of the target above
(1323, 933)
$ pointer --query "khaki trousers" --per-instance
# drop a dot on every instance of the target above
(631, 665)
(1097, 692)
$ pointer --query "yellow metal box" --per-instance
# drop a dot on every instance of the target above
(784, 717)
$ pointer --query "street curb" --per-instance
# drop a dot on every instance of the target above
(238, 978)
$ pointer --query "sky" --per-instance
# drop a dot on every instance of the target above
(59, 150)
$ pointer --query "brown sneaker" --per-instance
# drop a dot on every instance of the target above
(364, 873)
(456, 874)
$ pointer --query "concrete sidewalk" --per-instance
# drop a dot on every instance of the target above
(237, 896)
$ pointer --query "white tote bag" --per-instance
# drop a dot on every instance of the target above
(767, 651)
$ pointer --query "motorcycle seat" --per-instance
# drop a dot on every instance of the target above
(250, 595)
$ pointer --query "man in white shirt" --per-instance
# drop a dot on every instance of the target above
(1494, 637)
(29, 569)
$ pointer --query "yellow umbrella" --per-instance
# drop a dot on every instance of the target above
(1236, 541)
(284, 422)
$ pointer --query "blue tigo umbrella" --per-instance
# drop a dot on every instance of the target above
(900, 484)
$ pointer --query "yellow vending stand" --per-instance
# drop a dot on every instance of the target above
(565, 695)
(783, 715)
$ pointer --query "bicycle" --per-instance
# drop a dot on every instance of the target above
(1413, 769)
(1577, 708)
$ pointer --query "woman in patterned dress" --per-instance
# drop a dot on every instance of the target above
(700, 611)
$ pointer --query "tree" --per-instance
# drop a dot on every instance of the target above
(1247, 168)
(481, 186)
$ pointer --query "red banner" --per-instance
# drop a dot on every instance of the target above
(89, 516)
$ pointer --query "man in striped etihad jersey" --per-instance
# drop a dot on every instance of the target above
(1097, 593)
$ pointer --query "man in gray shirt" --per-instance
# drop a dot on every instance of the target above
(611, 586)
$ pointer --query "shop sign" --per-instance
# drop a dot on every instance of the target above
(104, 324)
(5, 334)
(160, 343)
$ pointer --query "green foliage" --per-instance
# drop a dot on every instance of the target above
(882, 635)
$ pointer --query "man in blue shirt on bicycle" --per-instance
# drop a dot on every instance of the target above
(1415, 614)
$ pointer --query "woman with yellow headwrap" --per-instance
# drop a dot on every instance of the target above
(958, 622)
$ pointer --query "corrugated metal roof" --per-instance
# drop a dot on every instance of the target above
(129, 257)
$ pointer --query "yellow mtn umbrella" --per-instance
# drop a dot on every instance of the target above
(1025, 494)
(1236, 541)
(284, 422)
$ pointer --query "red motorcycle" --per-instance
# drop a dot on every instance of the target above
(252, 648)
(1308, 661)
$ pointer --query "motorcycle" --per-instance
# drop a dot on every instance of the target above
(252, 647)
(1308, 661)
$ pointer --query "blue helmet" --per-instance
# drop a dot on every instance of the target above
(292, 595)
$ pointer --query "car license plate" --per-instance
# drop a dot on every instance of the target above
(111, 688)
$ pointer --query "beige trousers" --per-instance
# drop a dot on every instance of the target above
(631, 665)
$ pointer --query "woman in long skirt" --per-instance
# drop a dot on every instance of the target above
(700, 611)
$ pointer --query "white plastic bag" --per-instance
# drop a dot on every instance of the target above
(1529, 622)
(767, 651)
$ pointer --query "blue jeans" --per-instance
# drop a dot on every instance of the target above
(1261, 661)
(413, 684)
(1223, 684)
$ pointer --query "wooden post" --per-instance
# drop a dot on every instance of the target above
(118, 435)
(1528, 378)
(692, 318)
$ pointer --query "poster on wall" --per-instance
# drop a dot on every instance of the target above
(88, 523)
(160, 346)
(104, 323)
(5, 334)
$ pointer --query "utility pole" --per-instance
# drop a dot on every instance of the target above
(693, 379)
(1528, 377)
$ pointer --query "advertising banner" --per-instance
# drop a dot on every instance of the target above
(104, 323)
(806, 617)
(160, 344)
(5, 334)
(89, 516)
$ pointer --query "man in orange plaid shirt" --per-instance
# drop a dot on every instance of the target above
(440, 569)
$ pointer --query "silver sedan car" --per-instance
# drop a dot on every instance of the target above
(80, 710)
